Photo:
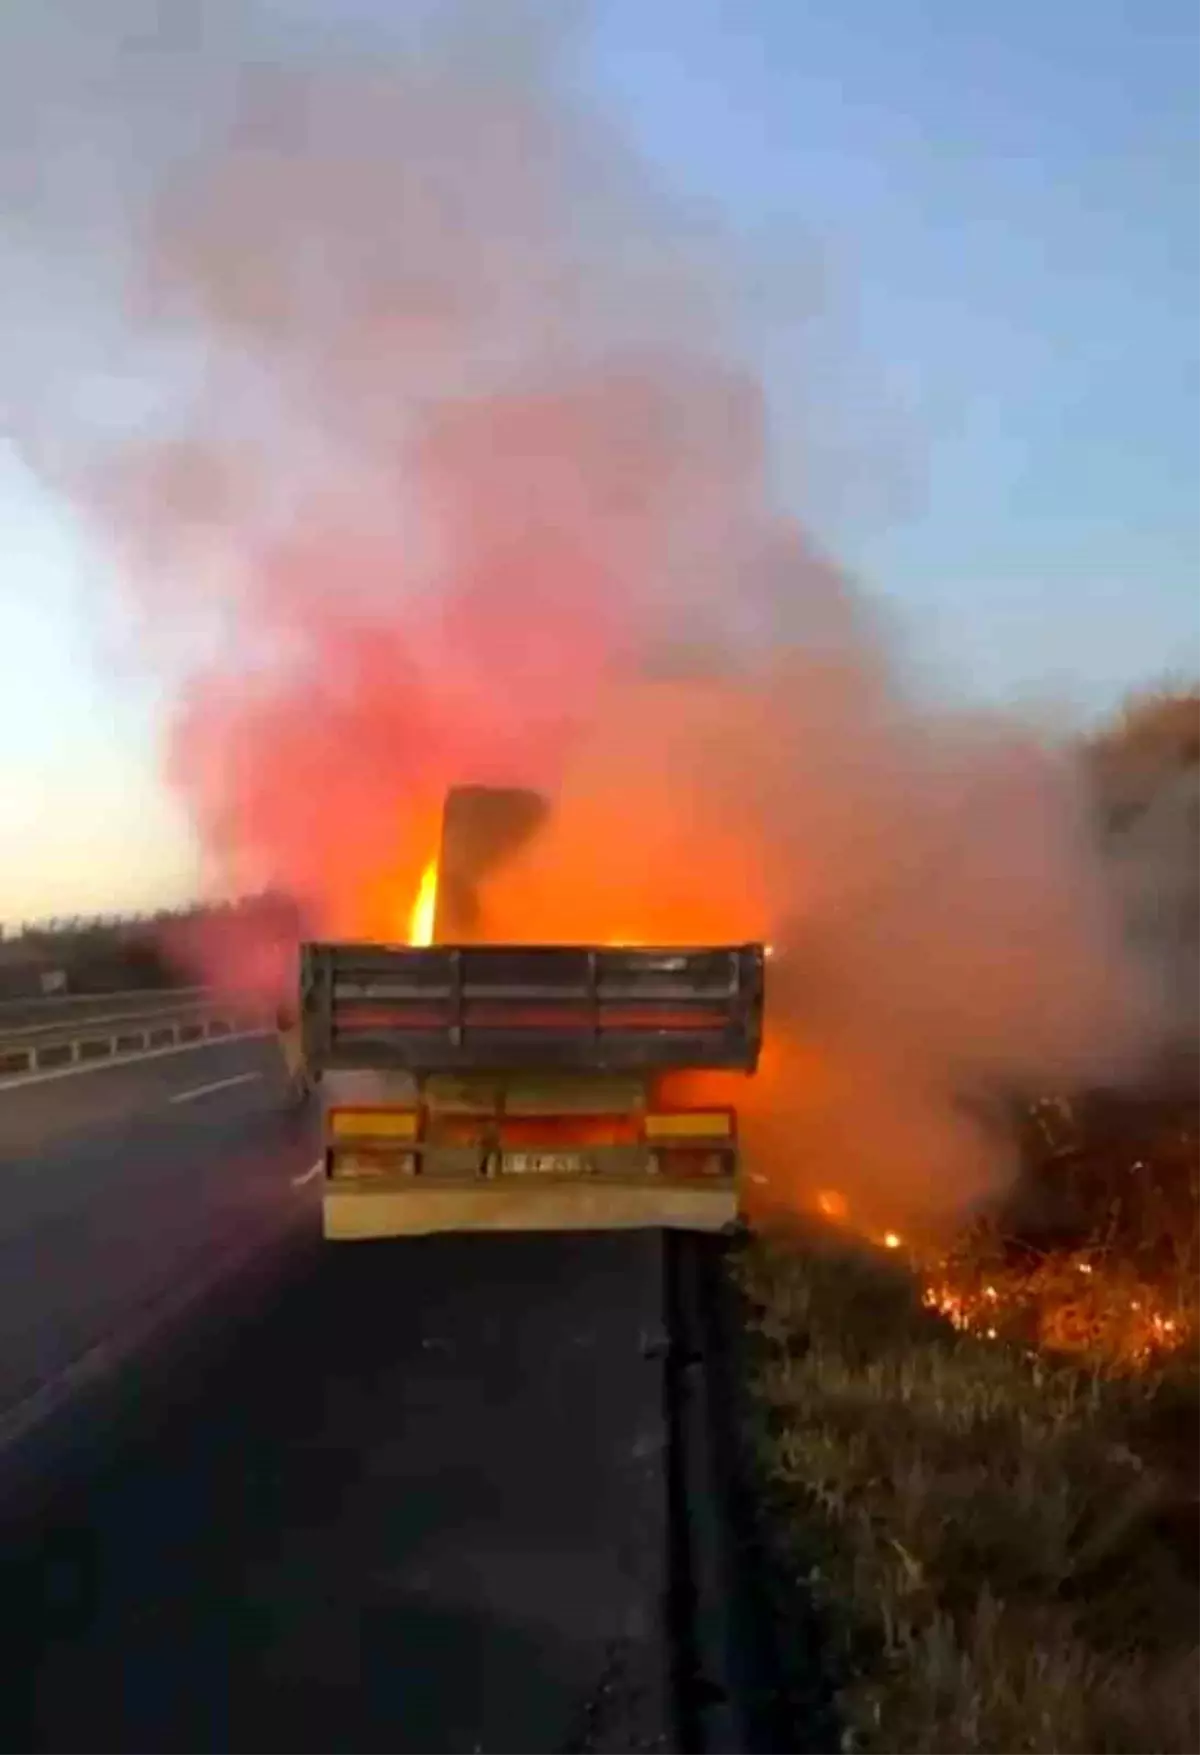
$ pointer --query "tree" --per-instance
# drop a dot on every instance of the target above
(1151, 741)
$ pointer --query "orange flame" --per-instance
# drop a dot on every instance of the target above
(420, 920)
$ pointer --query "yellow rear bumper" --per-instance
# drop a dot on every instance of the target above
(544, 1204)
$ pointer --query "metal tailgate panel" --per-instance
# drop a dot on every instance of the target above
(504, 1008)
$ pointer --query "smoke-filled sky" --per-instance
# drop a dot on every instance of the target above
(954, 255)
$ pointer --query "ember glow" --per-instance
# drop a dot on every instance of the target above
(424, 908)
(1066, 1304)
(832, 1204)
(1087, 1303)
(1114, 1318)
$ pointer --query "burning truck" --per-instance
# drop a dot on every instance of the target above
(470, 1085)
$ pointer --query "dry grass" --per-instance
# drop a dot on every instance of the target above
(993, 1539)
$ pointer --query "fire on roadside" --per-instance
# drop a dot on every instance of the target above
(1065, 1304)
(1069, 1302)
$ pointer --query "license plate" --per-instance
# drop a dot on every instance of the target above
(543, 1164)
(350, 1167)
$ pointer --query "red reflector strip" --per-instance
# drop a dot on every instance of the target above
(379, 1017)
(476, 1016)
(569, 1130)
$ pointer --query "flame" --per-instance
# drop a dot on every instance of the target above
(1047, 1307)
(420, 920)
(616, 860)
(1043, 1308)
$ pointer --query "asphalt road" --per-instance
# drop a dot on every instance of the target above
(121, 1183)
(403, 1496)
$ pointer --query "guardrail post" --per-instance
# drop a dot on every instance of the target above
(79, 1042)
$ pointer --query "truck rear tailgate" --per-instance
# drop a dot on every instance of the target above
(449, 1008)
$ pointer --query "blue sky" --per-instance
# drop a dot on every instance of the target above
(1003, 201)
(981, 259)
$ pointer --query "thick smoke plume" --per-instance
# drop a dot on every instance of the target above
(444, 465)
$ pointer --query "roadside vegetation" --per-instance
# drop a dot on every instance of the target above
(117, 953)
(999, 1544)
(981, 1464)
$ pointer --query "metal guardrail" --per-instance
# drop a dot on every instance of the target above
(88, 1041)
(62, 1007)
(20, 1035)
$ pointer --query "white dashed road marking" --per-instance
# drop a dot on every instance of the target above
(246, 1078)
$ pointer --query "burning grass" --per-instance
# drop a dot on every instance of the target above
(1086, 1303)
(986, 1475)
(1096, 1253)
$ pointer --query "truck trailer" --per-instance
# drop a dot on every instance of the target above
(470, 1085)
(526, 1087)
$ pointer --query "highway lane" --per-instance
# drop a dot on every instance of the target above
(41, 1110)
(388, 1496)
(414, 1501)
(119, 1183)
